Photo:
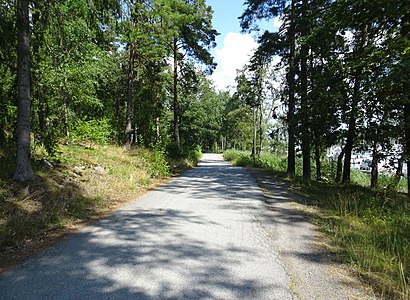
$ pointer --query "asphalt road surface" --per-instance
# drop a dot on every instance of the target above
(201, 236)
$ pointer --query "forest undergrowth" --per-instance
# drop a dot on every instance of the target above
(368, 229)
(80, 184)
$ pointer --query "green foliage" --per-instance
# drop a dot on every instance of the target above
(156, 160)
(321, 59)
(202, 112)
(97, 131)
(194, 153)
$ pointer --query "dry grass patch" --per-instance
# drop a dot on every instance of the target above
(86, 183)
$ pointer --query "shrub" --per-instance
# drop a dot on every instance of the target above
(157, 164)
(194, 154)
(97, 131)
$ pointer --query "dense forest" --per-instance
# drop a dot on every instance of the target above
(126, 72)
(345, 78)
(135, 73)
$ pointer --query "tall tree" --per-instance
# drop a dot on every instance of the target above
(130, 95)
(355, 100)
(304, 101)
(23, 171)
(405, 33)
(192, 35)
(283, 43)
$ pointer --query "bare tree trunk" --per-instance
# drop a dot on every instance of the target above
(398, 175)
(130, 93)
(407, 142)
(291, 170)
(260, 129)
(65, 109)
(157, 130)
(254, 135)
(351, 132)
(307, 173)
(175, 91)
(135, 135)
(374, 173)
(23, 171)
(318, 163)
(339, 166)
(405, 32)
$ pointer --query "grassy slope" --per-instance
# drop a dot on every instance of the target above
(369, 229)
(86, 183)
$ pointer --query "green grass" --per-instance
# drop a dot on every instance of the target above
(369, 228)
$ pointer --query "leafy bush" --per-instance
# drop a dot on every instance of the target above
(194, 154)
(97, 131)
(157, 164)
(234, 156)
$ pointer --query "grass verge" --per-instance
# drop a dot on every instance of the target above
(369, 229)
(85, 183)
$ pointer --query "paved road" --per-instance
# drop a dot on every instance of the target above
(201, 236)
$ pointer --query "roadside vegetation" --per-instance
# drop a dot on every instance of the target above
(369, 229)
(81, 183)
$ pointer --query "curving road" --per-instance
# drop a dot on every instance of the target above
(201, 236)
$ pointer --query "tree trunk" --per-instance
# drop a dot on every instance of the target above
(65, 110)
(398, 175)
(136, 136)
(351, 132)
(318, 163)
(176, 104)
(254, 135)
(339, 166)
(157, 130)
(407, 142)
(307, 173)
(260, 129)
(291, 103)
(23, 171)
(374, 174)
(130, 93)
(405, 32)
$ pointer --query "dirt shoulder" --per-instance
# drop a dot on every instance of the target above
(314, 270)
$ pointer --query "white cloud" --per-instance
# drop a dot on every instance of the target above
(277, 22)
(235, 53)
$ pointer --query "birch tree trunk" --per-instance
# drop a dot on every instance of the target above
(175, 92)
(128, 117)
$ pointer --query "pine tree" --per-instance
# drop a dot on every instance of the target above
(23, 171)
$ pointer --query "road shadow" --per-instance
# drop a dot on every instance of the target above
(318, 272)
(137, 253)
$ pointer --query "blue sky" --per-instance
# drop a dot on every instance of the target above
(225, 18)
(233, 48)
